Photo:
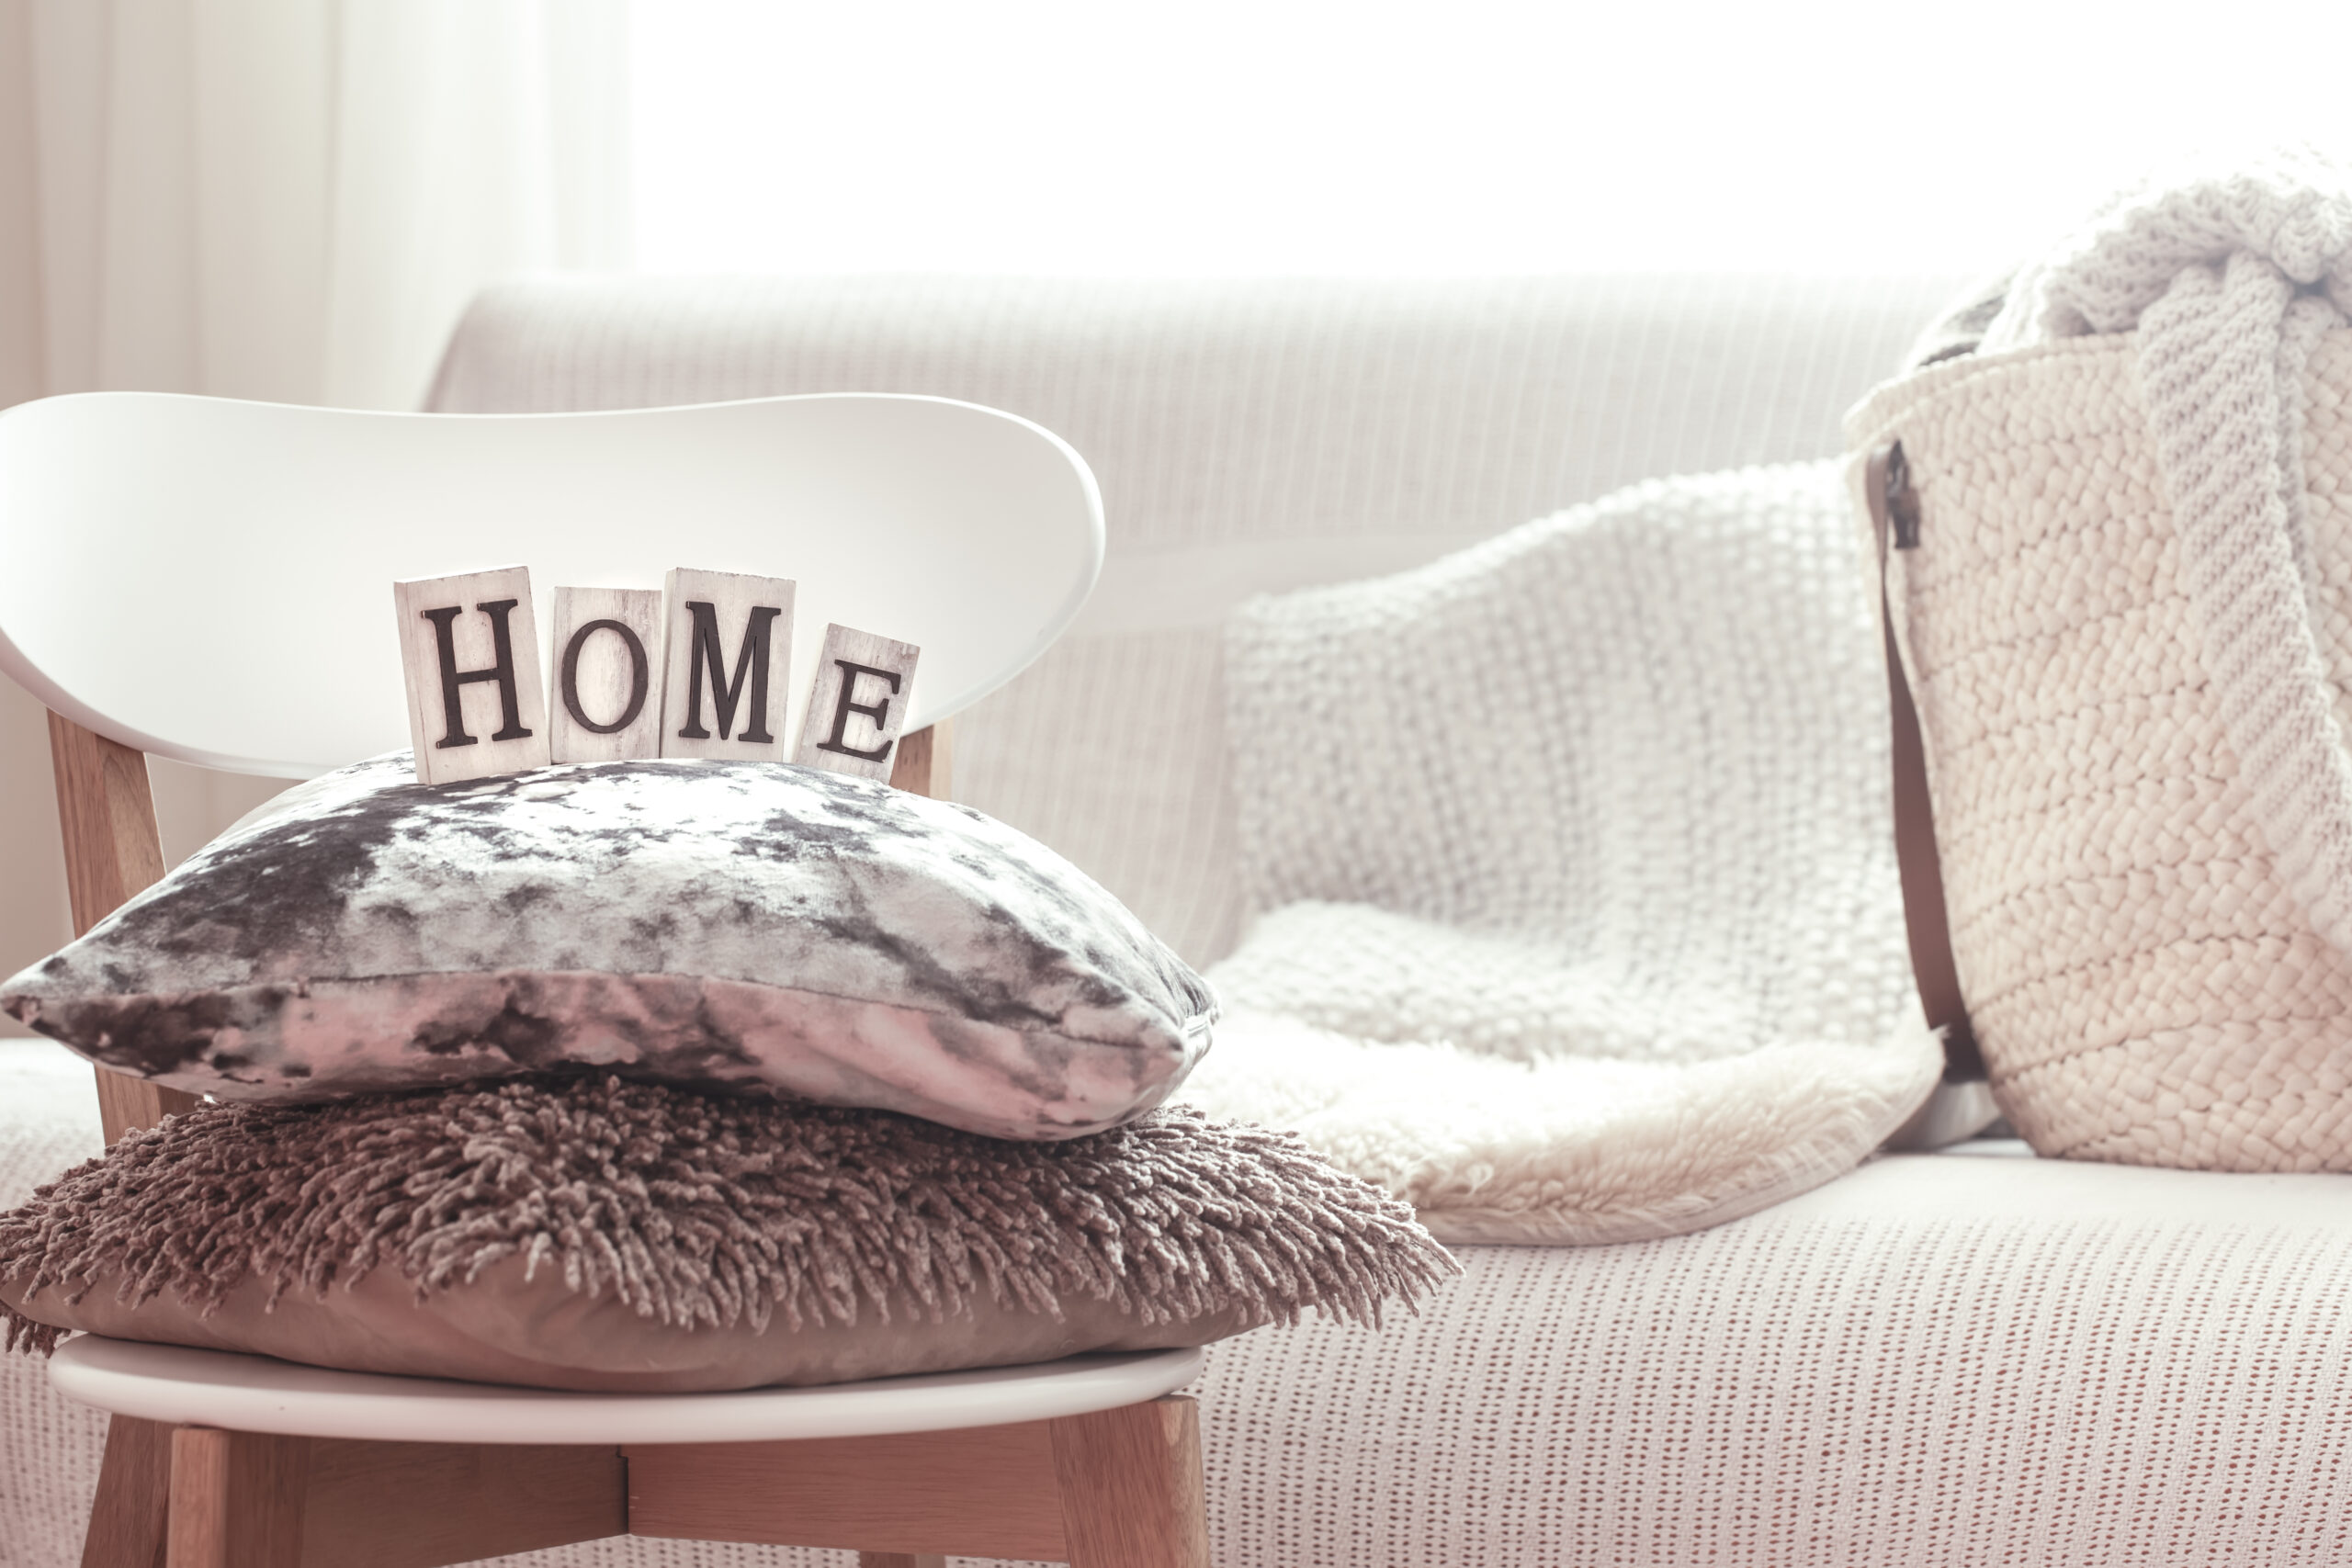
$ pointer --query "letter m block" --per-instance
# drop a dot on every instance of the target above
(724, 686)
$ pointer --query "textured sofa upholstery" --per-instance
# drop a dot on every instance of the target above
(1966, 1357)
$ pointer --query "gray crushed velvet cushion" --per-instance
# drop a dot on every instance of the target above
(585, 1233)
(710, 923)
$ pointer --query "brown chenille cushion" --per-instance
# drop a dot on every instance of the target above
(587, 1232)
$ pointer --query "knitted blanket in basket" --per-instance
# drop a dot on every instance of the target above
(2229, 275)
(1581, 920)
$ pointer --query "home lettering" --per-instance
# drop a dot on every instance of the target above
(695, 669)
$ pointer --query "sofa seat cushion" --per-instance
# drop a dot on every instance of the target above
(1940, 1360)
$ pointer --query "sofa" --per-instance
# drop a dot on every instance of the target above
(1966, 1357)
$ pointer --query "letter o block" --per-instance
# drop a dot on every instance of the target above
(607, 649)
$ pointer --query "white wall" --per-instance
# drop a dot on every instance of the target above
(1397, 136)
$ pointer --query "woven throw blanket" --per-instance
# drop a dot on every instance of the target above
(1581, 920)
(2230, 277)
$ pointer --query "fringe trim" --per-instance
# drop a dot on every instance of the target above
(26, 1335)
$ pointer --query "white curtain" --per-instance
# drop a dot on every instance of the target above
(283, 200)
(292, 199)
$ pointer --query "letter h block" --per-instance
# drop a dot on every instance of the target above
(469, 654)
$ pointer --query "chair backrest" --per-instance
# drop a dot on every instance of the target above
(210, 581)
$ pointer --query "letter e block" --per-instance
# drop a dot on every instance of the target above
(470, 651)
(607, 704)
(858, 704)
(728, 659)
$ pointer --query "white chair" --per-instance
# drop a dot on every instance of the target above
(210, 581)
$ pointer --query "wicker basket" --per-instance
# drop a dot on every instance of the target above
(2143, 985)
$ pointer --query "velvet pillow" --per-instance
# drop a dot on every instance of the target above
(712, 923)
(591, 1234)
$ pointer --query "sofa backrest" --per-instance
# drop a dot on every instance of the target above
(1248, 436)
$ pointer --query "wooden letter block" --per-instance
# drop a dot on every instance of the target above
(729, 658)
(858, 704)
(608, 653)
(469, 648)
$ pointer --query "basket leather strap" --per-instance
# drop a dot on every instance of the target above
(1894, 517)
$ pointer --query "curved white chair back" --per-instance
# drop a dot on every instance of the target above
(210, 581)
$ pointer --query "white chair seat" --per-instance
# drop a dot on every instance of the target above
(182, 1386)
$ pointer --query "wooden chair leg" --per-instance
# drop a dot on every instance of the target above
(237, 1499)
(1118, 1489)
(922, 762)
(134, 1497)
(486, 1500)
(113, 849)
(901, 1497)
(1132, 1493)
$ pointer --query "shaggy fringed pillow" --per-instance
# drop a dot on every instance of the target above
(748, 924)
(592, 1234)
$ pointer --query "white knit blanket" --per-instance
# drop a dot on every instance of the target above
(2230, 276)
(1583, 921)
